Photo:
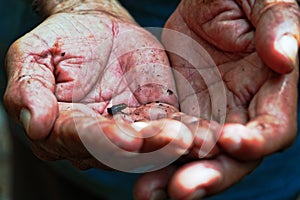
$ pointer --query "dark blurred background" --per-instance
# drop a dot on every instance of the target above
(16, 18)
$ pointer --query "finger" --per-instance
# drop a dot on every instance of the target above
(178, 137)
(205, 134)
(207, 177)
(277, 33)
(80, 133)
(171, 134)
(273, 120)
(158, 131)
(29, 96)
(186, 134)
(153, 185)
(209, 19)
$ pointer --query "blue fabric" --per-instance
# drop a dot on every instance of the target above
(114, 185)
(278, 176)
(150, 13)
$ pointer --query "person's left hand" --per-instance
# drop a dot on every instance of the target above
(65, 74)
(255, 49)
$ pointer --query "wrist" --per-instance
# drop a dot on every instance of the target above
(50, 7)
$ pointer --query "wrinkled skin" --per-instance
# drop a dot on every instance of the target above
(260, 83)
(64, 74)
(65, 101)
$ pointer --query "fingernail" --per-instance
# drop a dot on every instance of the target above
(288, 46)
(202, 153)
(25, 117)
(159, 195)
(231, 140)
(197, 195)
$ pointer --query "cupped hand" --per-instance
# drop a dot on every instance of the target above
(254, 45)
(64, 74)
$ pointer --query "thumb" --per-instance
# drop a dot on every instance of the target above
(277, 33)
(29, 95)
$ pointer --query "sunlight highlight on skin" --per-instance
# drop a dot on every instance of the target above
(197, 175)
(139, 125)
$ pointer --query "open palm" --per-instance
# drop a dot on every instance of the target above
(64, 74)
(256, 96)
(253, 44)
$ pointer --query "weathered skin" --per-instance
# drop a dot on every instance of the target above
(52, 70)
(241, 38)
(71, 68)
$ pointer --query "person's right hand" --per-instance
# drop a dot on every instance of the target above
(64, 74)
(254, 46)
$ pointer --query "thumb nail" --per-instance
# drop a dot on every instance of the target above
(288, 46)
(25, 118)
(159, 195)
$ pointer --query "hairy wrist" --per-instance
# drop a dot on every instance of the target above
(49, 7)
